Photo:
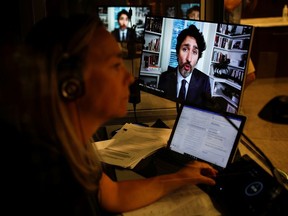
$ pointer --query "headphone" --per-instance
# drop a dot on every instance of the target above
(70, 80)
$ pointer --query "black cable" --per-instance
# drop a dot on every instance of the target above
(135, 114)
(259, 152)
(252, 146)
(278, 174)
(135, 117)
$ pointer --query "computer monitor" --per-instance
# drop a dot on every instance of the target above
(208, 10)
(220, 72)
(132, 44)
(186, 8)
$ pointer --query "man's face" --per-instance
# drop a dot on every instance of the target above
(188, 56)
(194, 15)
(123, 21)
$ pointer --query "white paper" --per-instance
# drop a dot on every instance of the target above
(131, 144)
(187, 201)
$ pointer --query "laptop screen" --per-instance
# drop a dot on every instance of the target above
(206, 135)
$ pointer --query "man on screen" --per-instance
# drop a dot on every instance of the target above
(124, 33)
(196, 85)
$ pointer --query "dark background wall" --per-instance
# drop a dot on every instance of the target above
(265, 8)
(18, 16)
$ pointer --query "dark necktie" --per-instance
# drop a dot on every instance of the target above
(182, 90)
(123, 36)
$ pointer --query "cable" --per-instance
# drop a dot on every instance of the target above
(253, 146)
(135, 114)
(278, 174)
(257, 150)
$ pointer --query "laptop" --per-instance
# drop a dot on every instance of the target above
(204, 135)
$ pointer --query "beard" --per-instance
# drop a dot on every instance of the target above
(185, 69)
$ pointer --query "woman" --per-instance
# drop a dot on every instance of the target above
(54, 96)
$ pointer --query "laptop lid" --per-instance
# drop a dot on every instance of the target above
(206, 135)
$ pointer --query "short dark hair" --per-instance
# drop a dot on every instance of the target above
(123, 12)
(192, 31)
(194, 8)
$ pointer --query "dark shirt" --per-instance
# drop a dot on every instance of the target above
(39, 181)
(199, 90)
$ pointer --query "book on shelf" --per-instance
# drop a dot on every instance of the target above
(223, 42)
(154, 24)
(154, 45)
(151, 61)
(153, 68)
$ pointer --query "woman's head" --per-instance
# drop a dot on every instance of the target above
(87, 65)
(72, 79)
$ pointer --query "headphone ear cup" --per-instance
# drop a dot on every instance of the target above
(70, 89)
(70, 81)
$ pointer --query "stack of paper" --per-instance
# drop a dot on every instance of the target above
(131, 144)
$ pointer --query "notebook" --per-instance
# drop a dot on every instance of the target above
(204, 135)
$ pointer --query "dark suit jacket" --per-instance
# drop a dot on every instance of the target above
(130, 40)
(131, 34)
(199, 90)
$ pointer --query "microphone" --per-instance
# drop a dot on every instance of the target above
(135, 96)
(130, 13)
(134, 88)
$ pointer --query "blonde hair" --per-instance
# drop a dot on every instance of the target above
(82, 156)
(39, 111)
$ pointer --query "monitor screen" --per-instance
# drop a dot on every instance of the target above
(191, 10)
(212, 58)
(196, 9)
(126, 23)
(187, 9)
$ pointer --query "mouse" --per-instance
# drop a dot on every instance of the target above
(276, 110)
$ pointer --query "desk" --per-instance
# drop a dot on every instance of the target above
(154, 165)
(192, 200)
